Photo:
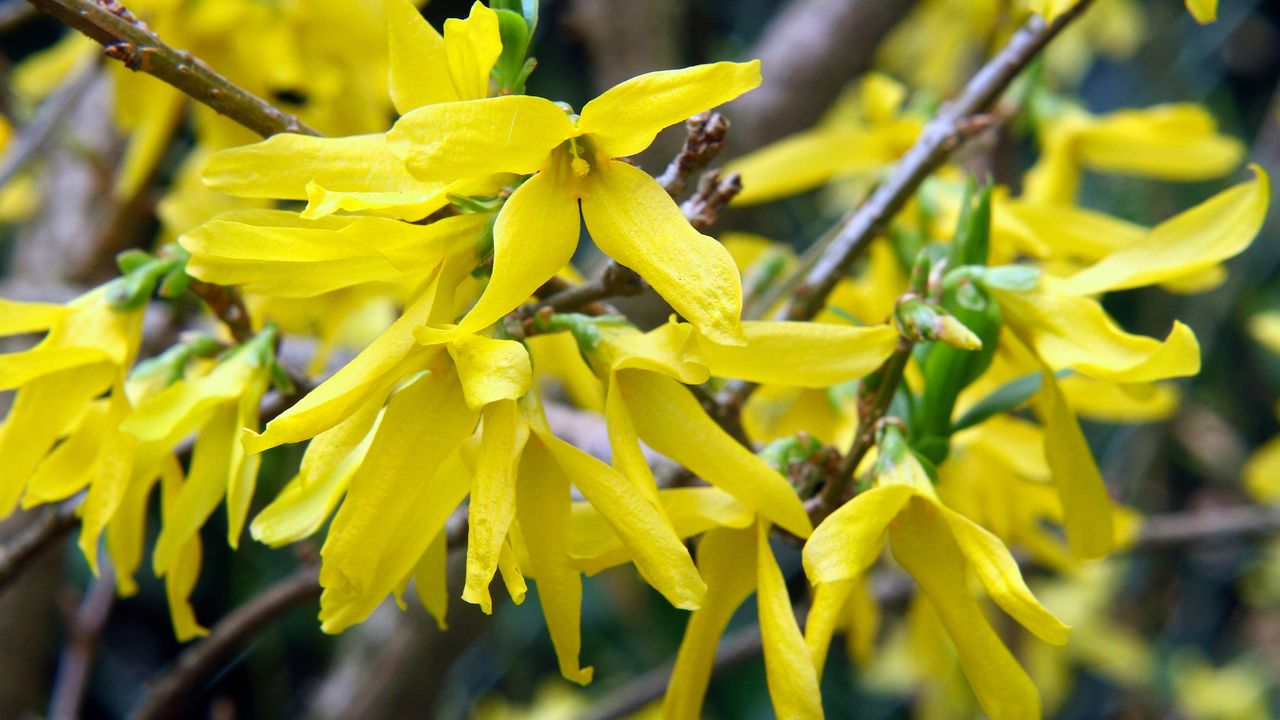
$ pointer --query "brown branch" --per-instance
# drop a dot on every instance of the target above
(705, 137)
(1184, 528)
(42, 127)
(811, 50)
(227, 305)
(941, 137)
(935, 145)
(886, 382)
(82, 645)
(169, 696)
(26, 545)
(128, 40)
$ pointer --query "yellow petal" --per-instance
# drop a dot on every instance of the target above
(533, 238)
(1204, 11)
(273, 253)
(18, 369)
(491, 370)
(331, 459)
(923, 545)
(394, 355)
(472, 46)
(669, 418)
(23, 317)
(1119, 403)
(451, 141)
(127, 530)
(669, 349)
(1188, 243)
(1262, 472)
(658, 554)
(282, 165)
(41, 412)
(398, 500)
(217, 452)
(995, 567)
(827, 613)
(121, 464)
(418, 63)
(624, 119)
(848, 542)
(185, 570)
(634, 221)
(493, 499)
(624, 444)
(169, 416)
(67, 470)
(802, 354)
(431, 579)
(723, 554)
(243, 478)
(691, 511)
(542, 507)
(509, 568)
(1086, 507)
(1076, 333)
(808, 159)
(1177, 142)
(557, 360)
(793, 684)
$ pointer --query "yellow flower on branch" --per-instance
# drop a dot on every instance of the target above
(936, 545)
(574, 159)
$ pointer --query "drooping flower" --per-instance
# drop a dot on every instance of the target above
(939, 548)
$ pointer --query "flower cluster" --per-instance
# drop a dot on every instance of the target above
(947, 373)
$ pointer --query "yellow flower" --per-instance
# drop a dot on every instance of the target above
(1066, 329)
(217, 406)
(630, 217)
(360, 173)
(88, 347)
(725, 557)
(876, 135)
(936, 545)
(1172, 142)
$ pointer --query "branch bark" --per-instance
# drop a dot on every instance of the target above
(809, 52)
(53, 524)
(128, 40)
(169, 695)
(935, 145)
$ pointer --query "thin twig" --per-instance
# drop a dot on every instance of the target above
(888, 378)
(82, 645)
(936, 143)
(14, 14)
(705, 137)
(128, 40)
(939, 139)
(35, 135)
(1183, 528)
(27, 544)
(227, 305)
(168, 696)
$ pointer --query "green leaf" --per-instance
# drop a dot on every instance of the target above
(516, 33)
(1005, 398)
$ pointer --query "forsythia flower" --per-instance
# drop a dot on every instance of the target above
(574, 159)
(935, 544)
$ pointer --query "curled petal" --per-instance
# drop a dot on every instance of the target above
(624, 119)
